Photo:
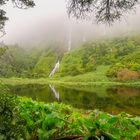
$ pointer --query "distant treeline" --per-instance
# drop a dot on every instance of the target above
(121, 54)
(32, 63)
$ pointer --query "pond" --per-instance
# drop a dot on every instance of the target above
(109, 99)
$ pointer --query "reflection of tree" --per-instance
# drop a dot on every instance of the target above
(112, 102)
(34, 91)
(77, 98)
(85, 99)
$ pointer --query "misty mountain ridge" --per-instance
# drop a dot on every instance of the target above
(116, 53)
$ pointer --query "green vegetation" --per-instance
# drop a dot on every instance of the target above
(23, 118)
(47, 60)
(112, 97)
(95, 76)
(103, 64)
(114, 59)
(29, 63)
(15, 61)
(22, 81)
(116, 54)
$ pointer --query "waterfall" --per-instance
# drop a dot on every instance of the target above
(55, 69)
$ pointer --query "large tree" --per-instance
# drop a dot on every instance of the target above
(103, 10)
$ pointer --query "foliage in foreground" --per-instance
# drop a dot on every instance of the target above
(28, 119)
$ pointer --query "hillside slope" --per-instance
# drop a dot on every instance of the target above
(32, 63)
(119, 55)
(117, 58)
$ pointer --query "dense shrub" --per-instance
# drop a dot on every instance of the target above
(59, 121)
(3, 49)
(119, 51)
(22, 118)
(126, 74)
(11, 125)
(134, 66)
(113, 70)
(124, 70)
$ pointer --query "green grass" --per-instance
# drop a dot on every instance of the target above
(79, 81)
(98, 75)
(95, 78)
(22, 81)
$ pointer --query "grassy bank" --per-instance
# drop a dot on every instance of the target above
(103, 84)
(95, 78)
(23, 118)
(72, 82)
(22, 81)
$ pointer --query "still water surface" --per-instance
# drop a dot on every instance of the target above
(113, 100)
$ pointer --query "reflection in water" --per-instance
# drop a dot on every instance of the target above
(56, 94)
(113, 100)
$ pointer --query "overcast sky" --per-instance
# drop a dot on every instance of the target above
(49, 20)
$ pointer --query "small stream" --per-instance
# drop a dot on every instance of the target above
(112, 100)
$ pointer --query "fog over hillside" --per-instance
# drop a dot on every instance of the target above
(48, 22)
